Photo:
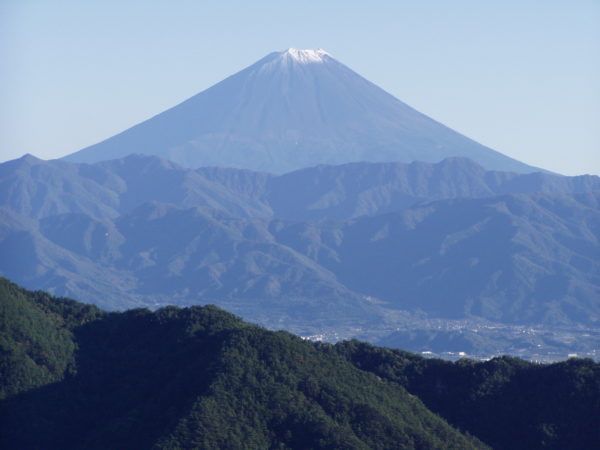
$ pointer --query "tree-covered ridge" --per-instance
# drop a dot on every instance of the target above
(37, 345)
(506, 402)
(306, 397)
(76, 377)
(192, 378)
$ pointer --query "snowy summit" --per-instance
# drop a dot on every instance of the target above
(306, 56)
(290, 110)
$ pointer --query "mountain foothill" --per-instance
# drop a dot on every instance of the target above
(75, 376)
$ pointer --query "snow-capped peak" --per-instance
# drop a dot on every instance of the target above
(306, 56)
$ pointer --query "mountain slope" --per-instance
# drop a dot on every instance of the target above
(266, 246)
(202, 378)
(105, 190)
(506, 402)
(39, 189)
(194, 378)
(513, 258)
(36, 340)
(290, 110)
(357, 189)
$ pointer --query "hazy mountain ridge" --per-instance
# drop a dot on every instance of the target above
(527, 258)
(479, 257)
(356, 189)
(38, 188)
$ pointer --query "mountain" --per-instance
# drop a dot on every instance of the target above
(450, 240)
(292, 110)
(516, 258)
(36, 188)
(358, 189)
(76, 377)
(433, 257)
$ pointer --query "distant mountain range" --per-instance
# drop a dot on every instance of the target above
(291, 110)
(330, 244)
(74, 376)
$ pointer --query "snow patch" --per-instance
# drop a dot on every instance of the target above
(306, 56)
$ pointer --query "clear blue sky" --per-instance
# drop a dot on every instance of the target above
(522, 77)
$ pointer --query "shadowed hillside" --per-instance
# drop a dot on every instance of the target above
(506, 402)
(190, 378)
(76, 377)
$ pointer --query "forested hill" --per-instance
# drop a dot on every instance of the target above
(74, 376)
(506, 402)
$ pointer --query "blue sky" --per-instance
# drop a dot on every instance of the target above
(522, 77)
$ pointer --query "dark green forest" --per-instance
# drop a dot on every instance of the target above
(506, 402)
(76, 377)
